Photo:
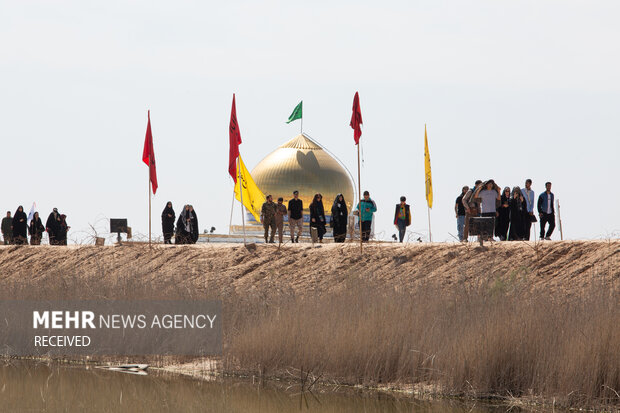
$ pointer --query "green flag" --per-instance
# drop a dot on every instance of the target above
(296, 113)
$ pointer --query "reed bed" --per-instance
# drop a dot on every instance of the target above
(498, 338)
(480, 342)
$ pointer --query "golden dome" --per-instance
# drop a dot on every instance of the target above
(301, 164)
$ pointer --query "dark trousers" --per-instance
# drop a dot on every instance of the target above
(321, 230)
(271, 223)
(544, 219)
(366, 226)
(402, 229)
(527, 225)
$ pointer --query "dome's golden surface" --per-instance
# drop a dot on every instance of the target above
(301, 164)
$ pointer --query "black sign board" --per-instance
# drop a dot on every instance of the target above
(118, 225)
(482, 226)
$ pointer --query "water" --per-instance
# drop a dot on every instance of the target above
(36, 387)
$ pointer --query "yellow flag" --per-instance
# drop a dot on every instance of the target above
(427, 172)
(253, 198)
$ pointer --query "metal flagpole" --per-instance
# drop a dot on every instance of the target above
(232, 207)
(430, 234)
(150, 202)
(359, 194)
(241, 195)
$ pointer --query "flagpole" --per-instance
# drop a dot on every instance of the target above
(241, 196)
(149, 203)
(301, 129)
(430, 234)
(359, 193)
(232, 207)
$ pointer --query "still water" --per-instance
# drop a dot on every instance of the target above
(37, 387)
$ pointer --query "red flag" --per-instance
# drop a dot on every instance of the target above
(356, 119)
(148, 154)
(235, 140)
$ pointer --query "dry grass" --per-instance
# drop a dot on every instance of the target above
(482, 342)
(472, 333)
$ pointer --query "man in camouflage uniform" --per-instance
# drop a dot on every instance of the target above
(7, 228)
(280, 212)
(268, 218)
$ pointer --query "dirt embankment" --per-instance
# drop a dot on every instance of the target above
(450, 317)
(558, 267)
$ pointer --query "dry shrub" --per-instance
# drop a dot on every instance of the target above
(480, 341)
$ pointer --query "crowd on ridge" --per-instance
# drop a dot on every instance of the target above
(512, 210)
(186, 225)
(272, 217)
(16, 228)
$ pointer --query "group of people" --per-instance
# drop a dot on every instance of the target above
(512, 210)
(186, 225)
(272, 218)
(273, 213)
(16, 228)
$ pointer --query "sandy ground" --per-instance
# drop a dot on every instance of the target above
(556, 266)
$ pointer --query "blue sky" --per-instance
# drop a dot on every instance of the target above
(509, 90)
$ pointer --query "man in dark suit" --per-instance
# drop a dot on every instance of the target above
(546, 212)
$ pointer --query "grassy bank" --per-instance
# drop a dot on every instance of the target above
(481, 342)
(479, 334)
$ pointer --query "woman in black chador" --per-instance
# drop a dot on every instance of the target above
(20, 226)
(167, 222)
(517, 205)
(63, 228)
(503, 216)
(194, 224)
(317, 216)
(184, 227)
(36, 230)
(52, 226)
(340, 218)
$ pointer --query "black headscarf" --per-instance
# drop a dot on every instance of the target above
(516, 204)
(506, 199)
(61, 235)
(167, 222)
(317, 211)
(53, 222)
(339, 209)
(194, 223)
(36, 227)
(183, 220)
(20, 228)
(168, 210)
